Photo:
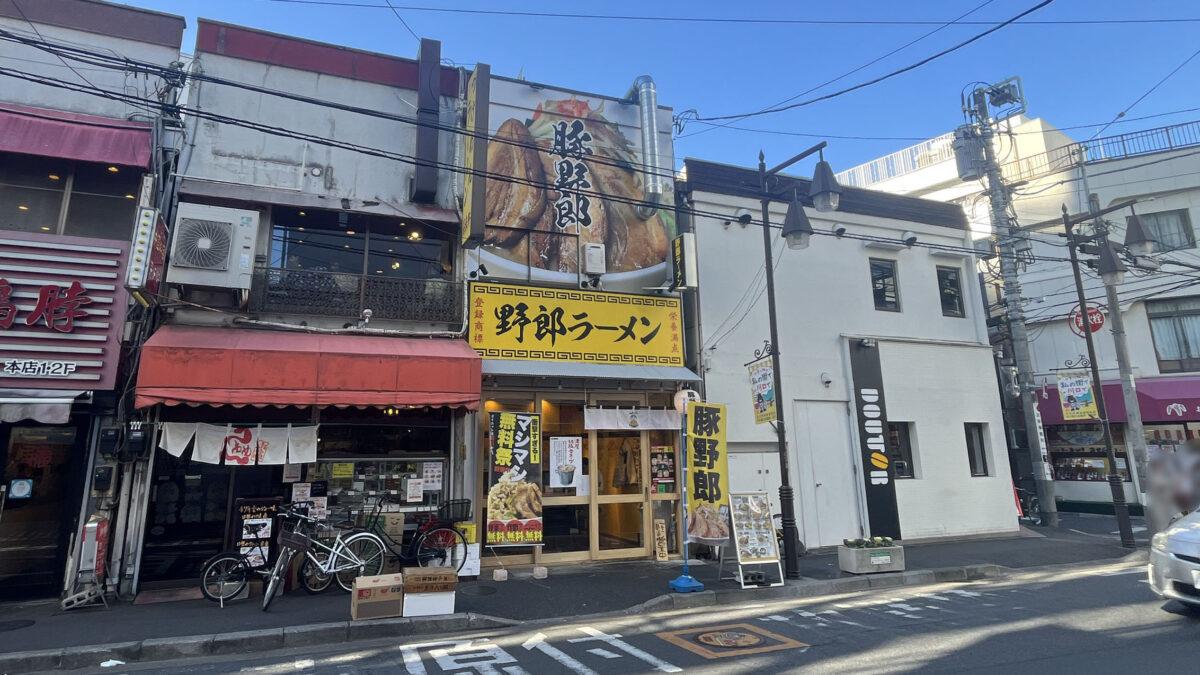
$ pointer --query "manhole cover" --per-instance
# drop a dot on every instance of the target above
(729, 638)
(14, 625)
(477, 590)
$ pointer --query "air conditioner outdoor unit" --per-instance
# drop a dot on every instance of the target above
(212, 246)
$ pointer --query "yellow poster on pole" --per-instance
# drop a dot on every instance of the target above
(708, 474)
(1076, 395)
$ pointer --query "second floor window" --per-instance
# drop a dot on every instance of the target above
(47, 195)
(1172, 229)
(884, 285)
(950, 291)
(1175, 327)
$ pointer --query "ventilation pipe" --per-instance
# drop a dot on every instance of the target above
(646, 95)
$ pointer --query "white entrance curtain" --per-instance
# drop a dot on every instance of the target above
(630, 418)
(241, 445)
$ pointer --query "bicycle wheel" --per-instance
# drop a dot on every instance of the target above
(313, 578)
(277, 572)
(443, 546)
(224, 577)
(368, 550)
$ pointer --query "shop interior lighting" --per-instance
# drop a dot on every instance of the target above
(22, 207)
(303, 214)
(113, 169)
(351, 232)
(53, 176)
(414, 236)
(46, 228)
(128, 196)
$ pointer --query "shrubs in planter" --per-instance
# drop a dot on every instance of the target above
(866, 556)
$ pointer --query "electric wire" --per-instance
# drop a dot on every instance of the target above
(881, 78)
(1151, 90)
(402, 21)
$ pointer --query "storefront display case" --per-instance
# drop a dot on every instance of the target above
(1077, 452)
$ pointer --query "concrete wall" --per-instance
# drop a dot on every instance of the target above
(937, 370)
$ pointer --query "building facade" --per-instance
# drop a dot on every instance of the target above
(880, 311)
(1155, 166)
(75, 169)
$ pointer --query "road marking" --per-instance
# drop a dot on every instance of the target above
(613, 642)
(604, 653)
(685, 639)
(538, 642)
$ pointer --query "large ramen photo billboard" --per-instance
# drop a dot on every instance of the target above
(566, 169)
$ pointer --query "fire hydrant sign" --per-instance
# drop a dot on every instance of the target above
(708, 475)
(1076, 395)
(1095, 319)
(514, 500)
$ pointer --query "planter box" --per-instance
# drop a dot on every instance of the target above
(869, 560)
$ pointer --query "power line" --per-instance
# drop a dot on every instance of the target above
(863, 66)
(402, 21)
(1149, 91)
(731, 20)
(881, 78)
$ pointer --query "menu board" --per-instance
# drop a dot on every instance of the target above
(254, 528)
(753, 528)
(662, 468)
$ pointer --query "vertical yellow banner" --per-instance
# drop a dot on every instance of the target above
(708, 474)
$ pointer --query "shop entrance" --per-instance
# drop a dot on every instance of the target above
(603, 490)
(38, 476)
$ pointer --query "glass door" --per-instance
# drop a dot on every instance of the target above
(566, 481)
(622, 490)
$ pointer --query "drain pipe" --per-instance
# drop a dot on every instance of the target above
(645, 94)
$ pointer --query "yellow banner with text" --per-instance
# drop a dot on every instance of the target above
(551, 324)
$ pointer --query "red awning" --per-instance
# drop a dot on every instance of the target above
(225, 366)
(1160, 399)
(52, 133)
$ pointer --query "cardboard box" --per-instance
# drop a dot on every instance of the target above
(428, 604)
(377, 597)
(468, 530)
(391, 524)
(430, 580)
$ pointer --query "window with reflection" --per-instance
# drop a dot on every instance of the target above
(48, 195)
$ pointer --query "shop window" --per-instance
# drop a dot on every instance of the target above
(1077, 452)
(1175, 327)
(950, 291)
(900, 449)
(99, 199)
(1172, 229)
(884, 285)
(977, 448)
(355, 244)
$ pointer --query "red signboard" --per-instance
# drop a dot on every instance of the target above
(1095, 319)
(62, 308)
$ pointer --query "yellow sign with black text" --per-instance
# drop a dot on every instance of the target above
(552, 324)
(708, 474)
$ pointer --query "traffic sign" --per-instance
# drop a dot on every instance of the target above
(1095, 319)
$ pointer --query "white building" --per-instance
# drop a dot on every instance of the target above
(1160, 167)
(846, 304)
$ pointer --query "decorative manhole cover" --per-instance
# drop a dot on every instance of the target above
(14, 625)
(732, 639)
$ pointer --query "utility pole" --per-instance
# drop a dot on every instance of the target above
(1006, 230)
(1135, 435)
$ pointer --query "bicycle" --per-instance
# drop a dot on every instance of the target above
(801, 549)
(437, 541)
(1031, 506)
(361, 554)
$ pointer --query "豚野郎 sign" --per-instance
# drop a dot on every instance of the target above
(548, 324)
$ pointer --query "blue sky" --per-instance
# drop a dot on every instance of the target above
(1072, 74)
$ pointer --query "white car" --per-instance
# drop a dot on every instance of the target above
(1174, 567)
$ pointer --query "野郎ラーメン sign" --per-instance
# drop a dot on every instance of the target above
(1076, 395)
(546, 324)
(514, 499)
(707, 479)
(762, 390)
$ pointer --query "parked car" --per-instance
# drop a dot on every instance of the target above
(1174, 567)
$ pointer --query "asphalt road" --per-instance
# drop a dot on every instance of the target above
(1096, 619)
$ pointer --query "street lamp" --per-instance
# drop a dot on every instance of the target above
(797, 231)
(1138, 238)
(1112, 269)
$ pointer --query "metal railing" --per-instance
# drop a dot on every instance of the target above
(941, 149)
(342, 295)
(919, 156)
(1121, 146)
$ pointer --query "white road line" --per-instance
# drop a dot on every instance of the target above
(538, 642)
(604, 653)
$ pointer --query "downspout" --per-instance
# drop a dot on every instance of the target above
(645, 94)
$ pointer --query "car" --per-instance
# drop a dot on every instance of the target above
(1174, 567)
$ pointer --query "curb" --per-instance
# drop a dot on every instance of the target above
(242, 642)
(191, 646)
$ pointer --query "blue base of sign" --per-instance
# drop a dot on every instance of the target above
(685, 583)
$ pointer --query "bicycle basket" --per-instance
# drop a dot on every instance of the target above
(455, 511)
(294, 540)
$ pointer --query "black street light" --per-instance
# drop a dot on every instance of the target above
(797, 231)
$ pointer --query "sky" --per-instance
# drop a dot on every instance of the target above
(1072, 74)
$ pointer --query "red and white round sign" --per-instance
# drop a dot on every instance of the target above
(1095, 319)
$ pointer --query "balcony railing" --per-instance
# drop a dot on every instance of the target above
(341, 295)
(919, 156)
(1132, 144)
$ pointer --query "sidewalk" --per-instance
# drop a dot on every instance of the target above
(568, 592)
